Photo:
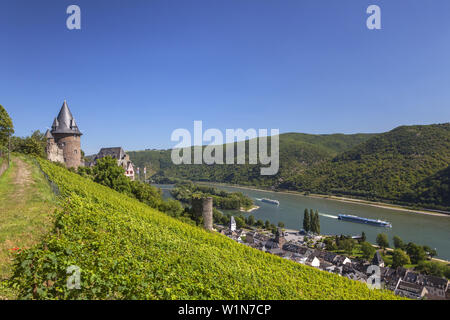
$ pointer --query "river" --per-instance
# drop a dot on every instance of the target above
(421, 229)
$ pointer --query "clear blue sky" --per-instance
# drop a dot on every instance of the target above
(139, 69)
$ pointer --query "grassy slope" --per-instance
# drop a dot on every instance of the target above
(125, 249)
(26, 203)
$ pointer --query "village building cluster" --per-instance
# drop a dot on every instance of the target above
(296, 246)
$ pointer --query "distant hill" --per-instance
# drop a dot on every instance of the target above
(402, 165)
(388, 166)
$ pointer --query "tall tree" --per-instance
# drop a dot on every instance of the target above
(317, 222)
(347, 245)
(398, 242)
(108, 173)
(306, 221)
(363, 237)
(382, 240)
(415, 252)
(400, 258)
(368, 250)
(33, 144)
(312, 219)
(251, 220)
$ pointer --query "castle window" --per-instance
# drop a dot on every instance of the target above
(75, 151)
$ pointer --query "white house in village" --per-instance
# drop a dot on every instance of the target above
(129, 171)
(315, 262)
(346, 260)
(232, 224)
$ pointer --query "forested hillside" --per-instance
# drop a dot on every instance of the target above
(402, 165)
(297, 152)
(435, 189)
(389, 166)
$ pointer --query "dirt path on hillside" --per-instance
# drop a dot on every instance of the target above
(23, 173)
(21, 178)
(24, 215)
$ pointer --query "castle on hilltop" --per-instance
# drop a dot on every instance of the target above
(63, 140)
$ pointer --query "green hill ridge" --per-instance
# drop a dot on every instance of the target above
(388, 166)
(298, 151)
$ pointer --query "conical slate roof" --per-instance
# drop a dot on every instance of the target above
(65, 123)
(55, 124)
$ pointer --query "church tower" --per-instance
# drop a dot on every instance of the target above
(64, 139)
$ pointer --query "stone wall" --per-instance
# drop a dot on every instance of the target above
(54, 153)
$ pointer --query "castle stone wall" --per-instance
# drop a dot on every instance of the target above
(54, 153)
(71, 146)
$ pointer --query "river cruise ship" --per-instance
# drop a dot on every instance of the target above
(372, 222)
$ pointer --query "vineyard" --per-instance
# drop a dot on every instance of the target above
(127, 250)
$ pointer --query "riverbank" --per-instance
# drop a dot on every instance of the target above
(255, 207)
(336, 198)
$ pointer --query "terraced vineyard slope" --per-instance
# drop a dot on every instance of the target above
(126, 250)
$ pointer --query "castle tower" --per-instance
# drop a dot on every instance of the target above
(63, 141)
(208, 213)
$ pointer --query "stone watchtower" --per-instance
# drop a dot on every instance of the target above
(63, 141)
(204, 207)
